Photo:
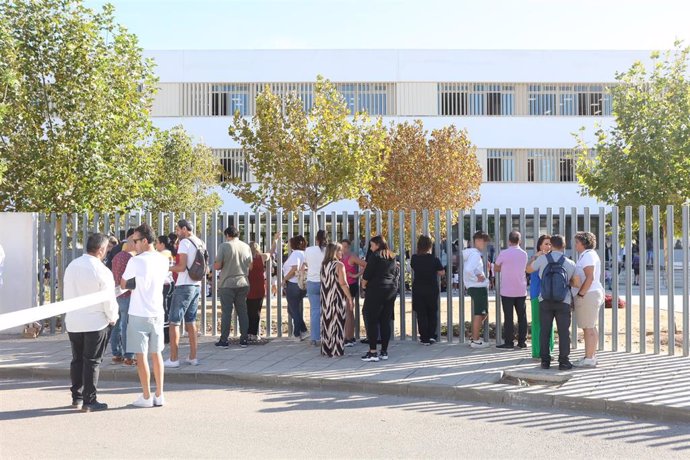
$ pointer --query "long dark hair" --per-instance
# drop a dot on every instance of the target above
(541, 240)
(165, 241)
(321, 239)
(380, 241)
(329, 256)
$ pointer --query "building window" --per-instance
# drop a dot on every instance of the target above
(234, 164)
(228, 99)
(542, 99)
(585, 100)
(476, 99)
(303, 91)
(549, 165)
(500, 166)
(372, 98)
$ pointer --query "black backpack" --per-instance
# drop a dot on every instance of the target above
(555, 282)
(199, 268)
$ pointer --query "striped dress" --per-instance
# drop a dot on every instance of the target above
(333, 304)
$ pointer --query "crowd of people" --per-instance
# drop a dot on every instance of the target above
(156, 282)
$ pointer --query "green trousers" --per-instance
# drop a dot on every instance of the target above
(536, 328)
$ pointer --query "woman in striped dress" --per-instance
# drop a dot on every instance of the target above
(335, 298)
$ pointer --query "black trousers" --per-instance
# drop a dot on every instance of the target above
(508, 304)
(425, 304)
(254, 313)
(378, 307)
(561, 312)
(87, 354)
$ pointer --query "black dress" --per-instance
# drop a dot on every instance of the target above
(425, 293)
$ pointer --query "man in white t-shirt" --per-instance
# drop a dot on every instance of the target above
(185, 299)
(149, 270)
(313, 257)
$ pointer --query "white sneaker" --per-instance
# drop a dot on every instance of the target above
(479, 344)
(143, 402)
(304, 336)
(159, 401)
(586, 362)
(192, 362)
(171, 364)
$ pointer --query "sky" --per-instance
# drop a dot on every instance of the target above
(404, 24)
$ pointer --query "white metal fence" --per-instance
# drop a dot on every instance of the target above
(656, 314)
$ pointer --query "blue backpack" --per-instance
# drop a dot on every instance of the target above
(554, 280)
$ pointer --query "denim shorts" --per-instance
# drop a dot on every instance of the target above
(145, 335)
(184, 304)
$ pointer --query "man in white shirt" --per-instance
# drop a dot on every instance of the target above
(149, 270)
(89, 328)
(185, 298)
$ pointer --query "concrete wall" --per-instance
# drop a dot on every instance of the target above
(18, 237)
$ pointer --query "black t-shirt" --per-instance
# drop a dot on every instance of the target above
(426, 268)
(380, 271)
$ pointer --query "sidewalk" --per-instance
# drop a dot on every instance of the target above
(632, 385)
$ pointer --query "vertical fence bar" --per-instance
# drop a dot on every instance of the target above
(379, 224)
(62, 264)
(52, 260)
(346, 229)
(686, 280)
(334, 227)
(247, 228)
(670, 282)
(73, 236)
(642, 212)
(549, 221)
(601, 238)
(628, 278)
(449, 275)
(41, 258)
(204, 300)
(290, 223)
(561, 222)
(508, 229)
(403, 269)
(213, 253)
(391, 234)
(413, 241)
(614, 301)
(523, 229)
(437, 249)
(485, 229)
(268, 240)
(96, 223)
(425, 223)
(355, 245)
(367, 228)
(497, 278)
(161, 222)
(573, 230)
(461, 281)
(279, 276)
(470, 243)
(657, 278)
(84, 232)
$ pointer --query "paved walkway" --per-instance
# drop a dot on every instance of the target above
(645, 386)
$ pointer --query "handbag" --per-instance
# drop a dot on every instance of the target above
(302, 278)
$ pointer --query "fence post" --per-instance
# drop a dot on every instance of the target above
(670, 283)
(449, 275)
(497, 278)
(602, 256)
(437, 249)
(279, 275)
(657, 278)
(413, 241)
(686, 280)
(643, 277)
(614, 301)
(213, 254)
(573, 230)
(461, 282)
(355, 245)
(629, 278)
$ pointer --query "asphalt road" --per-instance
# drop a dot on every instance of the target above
(228, 422)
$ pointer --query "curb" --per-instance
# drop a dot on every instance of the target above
(501, 396)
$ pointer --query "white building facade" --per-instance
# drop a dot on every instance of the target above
(520, 108)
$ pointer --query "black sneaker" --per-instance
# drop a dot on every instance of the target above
(77, 403)
(364, 340)
(432, 340)
(426, 344)
(565, 366)
(506, 346)
(545, 364)
(522, 345)
(384, 355)
(371, 357)
(223, 344)
(243, 343)
(94, 407)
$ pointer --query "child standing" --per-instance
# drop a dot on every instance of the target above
(425, 291)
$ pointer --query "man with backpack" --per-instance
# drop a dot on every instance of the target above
(191, 267)
(556, 272)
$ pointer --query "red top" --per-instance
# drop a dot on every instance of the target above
(257, 280)
(350, 269)
(119, 264)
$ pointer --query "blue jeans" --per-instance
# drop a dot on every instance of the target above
(295, 306)
(118, 336)
(184, 304)
(314, 295)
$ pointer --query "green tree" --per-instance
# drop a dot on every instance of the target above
(74, 130)
(307, 159)
(437, 171)
(644, 159)
(8, 79)
(184, 175)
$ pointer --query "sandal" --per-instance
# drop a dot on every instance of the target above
(130, 362)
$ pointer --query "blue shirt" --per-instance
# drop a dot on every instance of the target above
(534, 285)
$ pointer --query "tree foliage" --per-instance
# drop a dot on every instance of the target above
(184, 174)
(74, 129)
(644, 159)
(307, 159)
(437, 171)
